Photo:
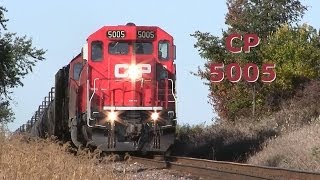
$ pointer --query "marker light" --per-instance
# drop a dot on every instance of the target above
(112, 116)
(134, 72)
(154, 116)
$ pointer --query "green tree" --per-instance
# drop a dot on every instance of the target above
(296, 53)
(17, 57)
(262, 17)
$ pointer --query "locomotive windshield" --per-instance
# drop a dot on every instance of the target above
(118, 48)
(143, 48)
(122, 48)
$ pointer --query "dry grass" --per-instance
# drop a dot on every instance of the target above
(44, 159)
(295, 150)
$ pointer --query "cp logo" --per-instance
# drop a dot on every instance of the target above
(123, 70)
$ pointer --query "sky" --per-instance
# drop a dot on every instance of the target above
(61, 27)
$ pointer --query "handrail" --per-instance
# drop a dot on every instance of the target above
(94, 92)
(175, 99)
(94, 89)
(38, 113)
(90, 98)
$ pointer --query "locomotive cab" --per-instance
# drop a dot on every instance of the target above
(124, 90)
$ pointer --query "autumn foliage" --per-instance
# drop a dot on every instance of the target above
(294, 49)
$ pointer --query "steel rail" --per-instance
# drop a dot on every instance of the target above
(208, 169)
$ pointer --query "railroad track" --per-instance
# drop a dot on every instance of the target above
(208, 169)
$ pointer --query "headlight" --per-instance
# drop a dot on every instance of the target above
(134, 72)
(154, 116)
(112, 116)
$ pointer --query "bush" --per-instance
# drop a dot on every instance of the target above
(224, 141)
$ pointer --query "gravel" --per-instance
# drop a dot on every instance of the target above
(134, 170)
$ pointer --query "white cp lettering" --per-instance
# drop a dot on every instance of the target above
(142, 68)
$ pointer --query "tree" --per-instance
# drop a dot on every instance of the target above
(262, 17)
(296, 53)
(17, 56)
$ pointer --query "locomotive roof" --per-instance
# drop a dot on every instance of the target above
(128, 25)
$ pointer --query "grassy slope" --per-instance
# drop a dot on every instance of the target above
(296, 150)
(43, 159)
(287, 138)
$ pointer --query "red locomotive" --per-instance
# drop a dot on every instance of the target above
(118, 94)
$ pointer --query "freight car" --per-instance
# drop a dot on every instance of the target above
(118, 94)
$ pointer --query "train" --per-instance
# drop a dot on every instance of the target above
(118, 94)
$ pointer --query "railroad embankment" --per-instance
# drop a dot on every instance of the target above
(288, 138)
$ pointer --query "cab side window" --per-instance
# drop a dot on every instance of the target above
(163, 51)
(96, 51)
(76, 71)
